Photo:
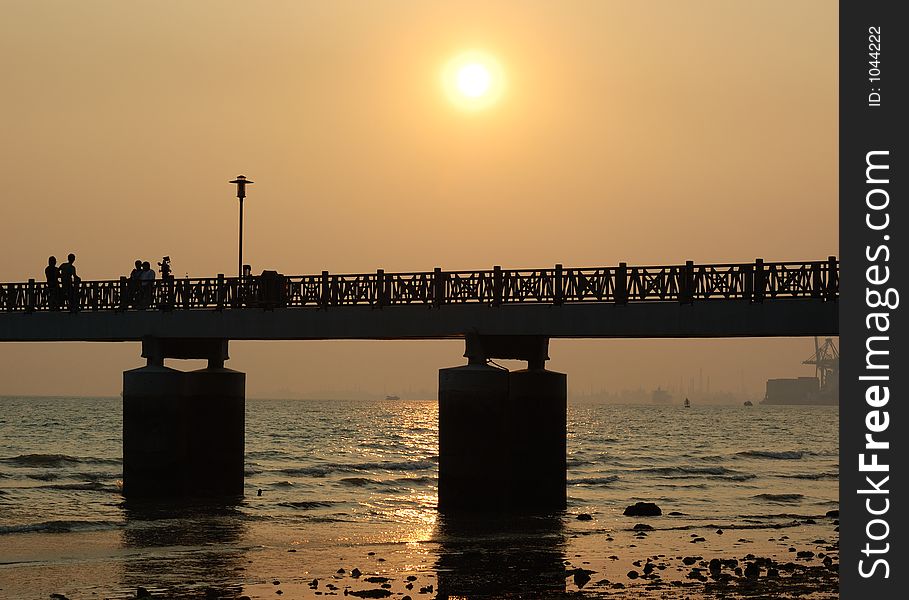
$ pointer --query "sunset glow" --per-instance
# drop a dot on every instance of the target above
(473, 81)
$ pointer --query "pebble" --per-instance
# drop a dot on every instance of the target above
(584, 517)
(633, 575)
(642, 527)
(752, 571)
(355, 572)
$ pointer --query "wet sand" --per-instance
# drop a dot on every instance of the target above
(606, 556)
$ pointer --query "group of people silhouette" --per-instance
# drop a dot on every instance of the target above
(63, 282)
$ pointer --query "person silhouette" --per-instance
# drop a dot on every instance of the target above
(69, 281)
(134, 282)
(52, 275)
(147, 279)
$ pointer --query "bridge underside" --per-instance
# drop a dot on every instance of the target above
(703, 319)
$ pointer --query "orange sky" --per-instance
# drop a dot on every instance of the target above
(645, 132)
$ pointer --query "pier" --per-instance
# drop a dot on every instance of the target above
(184, 431)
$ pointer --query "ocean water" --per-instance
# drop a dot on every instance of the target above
(346, 481)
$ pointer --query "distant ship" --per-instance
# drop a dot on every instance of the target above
(392, 397)
(822, 389)
(660, 396)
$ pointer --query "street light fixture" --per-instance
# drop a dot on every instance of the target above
(241, 181)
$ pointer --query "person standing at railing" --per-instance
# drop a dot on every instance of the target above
(52, 275)
(147, 280)
(70, 282)
(135, 277)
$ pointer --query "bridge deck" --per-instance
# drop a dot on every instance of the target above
(720, 300)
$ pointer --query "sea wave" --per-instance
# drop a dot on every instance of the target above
(307, 504)
(50, 461)
(321, 470)
(781, 498)
(93, 486)
(58, 527)
(814, 476)
(359, 481)
(783, 455)
(606, 480)
(684, 472)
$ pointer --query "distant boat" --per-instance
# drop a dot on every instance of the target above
(392, 397)
(748, 403)
(687, 403)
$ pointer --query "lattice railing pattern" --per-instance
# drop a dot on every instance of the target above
(684, 283)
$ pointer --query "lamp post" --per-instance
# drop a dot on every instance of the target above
(241, 182)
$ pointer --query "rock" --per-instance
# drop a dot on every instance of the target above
(752, 571)
(292, 550)
(411, 578)
(715, 566)
(370, 554)
(340, 571)
(276, 582)
(648, 568)
(737, 571)
(719, 532)
(406, 598)
(314, 583)
(810, 522)
(643, 509)
(633, 574)
(642, 527)
(690, 560)
(279, 592)
(62, 597)
(833, 514)
(584, 517)
(374, 593)
(676, 513)
(355, 572)
(772, 572)
(581, 577)
(141, 592)
(805, 554)
(409, 586)
(377, 579)
(698, 539)
(791, 549)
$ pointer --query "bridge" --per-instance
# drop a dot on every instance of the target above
(184, 431)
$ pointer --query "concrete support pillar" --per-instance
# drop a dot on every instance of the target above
(215, 401)
(154, 432)
(537, 416)
(183, 433)
(502, 436)
(473, 451)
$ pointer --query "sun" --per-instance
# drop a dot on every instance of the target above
(473, 80)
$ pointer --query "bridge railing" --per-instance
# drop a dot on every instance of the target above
(622, 284)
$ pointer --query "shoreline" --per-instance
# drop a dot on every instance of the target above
(605, 557)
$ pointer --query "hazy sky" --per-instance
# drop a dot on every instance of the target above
(640, 132)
